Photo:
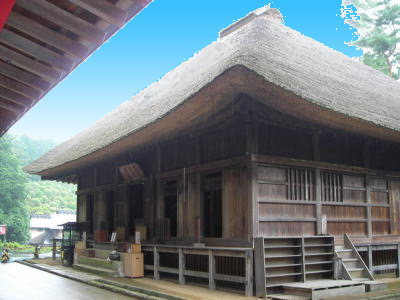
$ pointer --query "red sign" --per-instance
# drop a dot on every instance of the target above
(3, 229)
(5, 9)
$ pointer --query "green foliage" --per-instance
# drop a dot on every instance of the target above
(13, 207)
(22, 194)
(378, 28)
(45, 197)
(17, 247)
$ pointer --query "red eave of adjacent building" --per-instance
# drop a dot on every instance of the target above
(5, 10)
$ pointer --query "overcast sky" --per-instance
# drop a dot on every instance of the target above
(163, 35)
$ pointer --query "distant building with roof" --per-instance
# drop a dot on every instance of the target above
(45, 227)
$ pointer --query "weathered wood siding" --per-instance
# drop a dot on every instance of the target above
(356, 204)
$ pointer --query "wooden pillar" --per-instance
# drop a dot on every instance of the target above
(317, 157)
(249, 273)
(259, 265)
(156, 264)
(370, 261)
(94, 203)
(181, 266)
(115, 198)
(158, 204)
(54, 248)
(252, 186)
(398, 260)
(318, 205)
(368, 198)
(303, 260)
(211, 270)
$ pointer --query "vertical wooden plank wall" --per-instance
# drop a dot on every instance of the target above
(293, 200)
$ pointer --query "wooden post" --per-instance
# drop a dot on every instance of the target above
(303, 260)
(370, 262)
(181, 266)
(398, 260)
(249, 273)
(211, 270)
(259, 264)
(156, 263)
(368, 195)
(318, 206)
(54, 249)
(252, 185)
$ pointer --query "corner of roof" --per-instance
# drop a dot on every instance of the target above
(265, 11)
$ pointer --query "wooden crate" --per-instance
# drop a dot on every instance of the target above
(133, 264)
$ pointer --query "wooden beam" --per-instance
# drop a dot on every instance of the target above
(15, 97)
(137, 7)
(31, 48)
(64, 19)
(5, 104)
(24, 77)
(20, 88)
(46, 35)
(6, 118)
(28, 64)
(105, 10)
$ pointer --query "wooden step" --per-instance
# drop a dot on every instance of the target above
(318, 272)
(319, 254)
(282, 266)
(320, 262)
(287, 297)
(282, 275)
(318, 245)
(343, 250)
(282, 256)
(349, 259)
(282, 246)
(355, 269)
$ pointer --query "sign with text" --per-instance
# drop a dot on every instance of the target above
(3, 229)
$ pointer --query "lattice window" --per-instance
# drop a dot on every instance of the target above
(300, 184)
(331, 187)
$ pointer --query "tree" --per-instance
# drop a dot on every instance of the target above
(13, 208)
(378, 28)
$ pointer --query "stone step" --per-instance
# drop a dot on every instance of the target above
(99, 263)
(287, 297)
(96, 270)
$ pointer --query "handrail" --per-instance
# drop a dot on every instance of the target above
(211, 253)
(198, 248)
(348, 243)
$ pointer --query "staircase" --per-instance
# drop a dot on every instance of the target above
(304, 268)
(282, 261)
(99, 264)
(353, 267)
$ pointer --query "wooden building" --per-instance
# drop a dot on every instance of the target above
(264, 158)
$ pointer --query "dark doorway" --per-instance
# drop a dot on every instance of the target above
(171, 206)
(212, 209)
(89, 213)
(110, 210)
(135, 207)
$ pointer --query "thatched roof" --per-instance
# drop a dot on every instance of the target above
(261, 57)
